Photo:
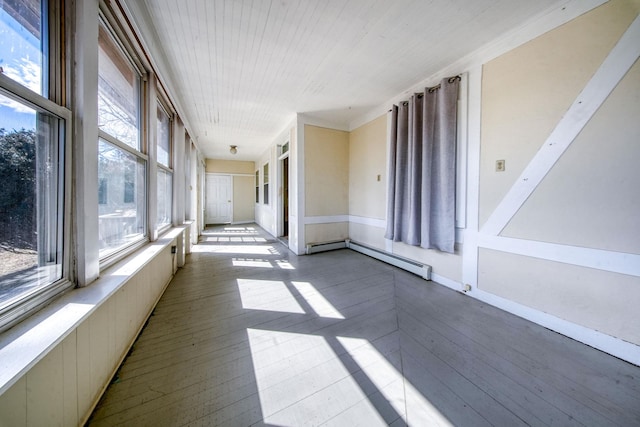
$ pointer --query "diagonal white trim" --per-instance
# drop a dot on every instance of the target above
(616, 262)
(613, 69)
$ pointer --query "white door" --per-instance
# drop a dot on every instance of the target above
(218, 207)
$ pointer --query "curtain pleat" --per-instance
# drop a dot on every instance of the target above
(422, 169)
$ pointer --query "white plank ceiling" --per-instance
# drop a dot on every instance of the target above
(242, 69)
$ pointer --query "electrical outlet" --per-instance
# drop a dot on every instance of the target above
(500, 165)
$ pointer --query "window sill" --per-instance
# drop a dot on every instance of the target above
(25, 344)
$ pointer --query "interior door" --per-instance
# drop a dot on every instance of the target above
(219, 199)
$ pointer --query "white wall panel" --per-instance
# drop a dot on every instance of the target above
(13, 405)
(45, 391)
(64, 386)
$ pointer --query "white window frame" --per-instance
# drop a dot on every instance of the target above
(10, 88)
(161, 104)
(122, 45)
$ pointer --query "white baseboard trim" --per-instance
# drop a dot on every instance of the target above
(444, 281)
(615, 346)
(607, 343)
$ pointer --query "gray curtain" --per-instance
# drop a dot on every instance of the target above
(422, 168)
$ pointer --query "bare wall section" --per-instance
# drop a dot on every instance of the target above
(326, 183)
(368, 169)
(588, 202)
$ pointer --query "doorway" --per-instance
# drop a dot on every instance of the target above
(219, 192)
(285, 197)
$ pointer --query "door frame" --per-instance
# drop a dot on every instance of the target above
(280, 181)
(206, 194)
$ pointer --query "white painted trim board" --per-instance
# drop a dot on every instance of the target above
(613, 69)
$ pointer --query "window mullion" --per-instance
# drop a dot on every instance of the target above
(18, 92)
(114, 141)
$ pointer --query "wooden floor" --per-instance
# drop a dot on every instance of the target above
(249, 334)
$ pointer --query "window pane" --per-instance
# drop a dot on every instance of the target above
(22, 44)
(121, 198)
(118, 99)
(31, 212)
(257, 186)
(163, 138)
(265, 179)
(164, 197)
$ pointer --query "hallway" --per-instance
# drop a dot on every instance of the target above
(248, 333)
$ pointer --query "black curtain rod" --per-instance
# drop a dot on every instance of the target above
(433, 89)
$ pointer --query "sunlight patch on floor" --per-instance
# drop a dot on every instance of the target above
(381, 373)
(227, 239)
(312, 387)
(285, 265)
(317, 301)
(269, 295)
(251, 262)
(236, 249)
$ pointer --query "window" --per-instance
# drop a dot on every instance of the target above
(123, 173)
(257, 186)
(164, 175)
(164, 136)
(33, 145)
(265, 177)
(165, 184)
(118, 92)
(121, 163)
(23, 43)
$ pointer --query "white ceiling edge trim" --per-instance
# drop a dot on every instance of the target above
(534, 27)
(139, 17)
(315, 121)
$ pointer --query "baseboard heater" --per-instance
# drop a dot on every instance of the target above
(313, 248)
(422, 270)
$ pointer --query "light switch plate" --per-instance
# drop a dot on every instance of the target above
(500, 165)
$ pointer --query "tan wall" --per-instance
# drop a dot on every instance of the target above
(243, 186)
(229, 166)
(321, 233)
(326, 169)
(367, 163)
(592, 194)
(603, 301)
(367, 235)
(589, 199)
(244, 198)
(527, 91)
